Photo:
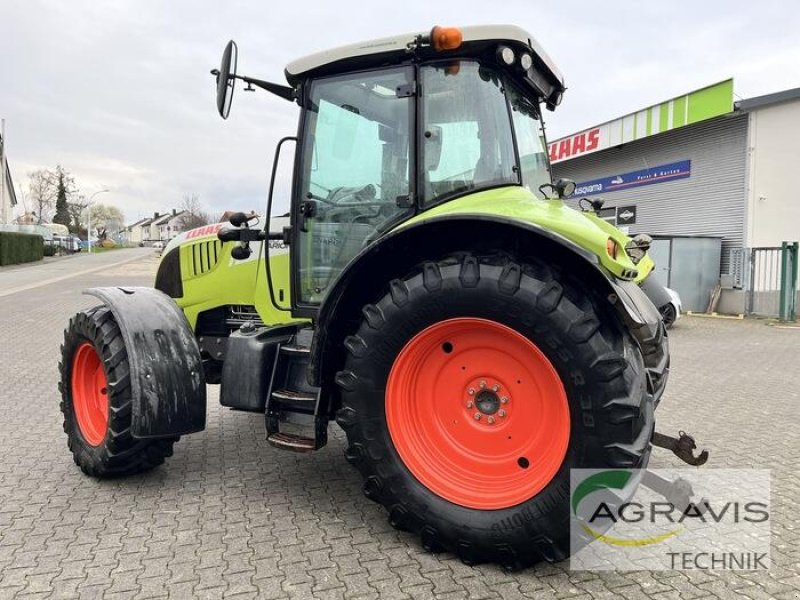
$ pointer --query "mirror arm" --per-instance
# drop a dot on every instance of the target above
(282, 91)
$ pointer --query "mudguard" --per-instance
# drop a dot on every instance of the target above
(637, 307)
(167, 382)
(400, 250)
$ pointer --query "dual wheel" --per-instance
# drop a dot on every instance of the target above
(473, 386)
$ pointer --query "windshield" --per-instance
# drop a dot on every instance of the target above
(356, 161)
(467, 141)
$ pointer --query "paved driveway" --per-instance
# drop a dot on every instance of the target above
(228, 516)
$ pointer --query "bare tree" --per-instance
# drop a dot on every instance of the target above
(193, 214)
(42, 188)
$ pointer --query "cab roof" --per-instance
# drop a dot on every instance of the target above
(477, 40)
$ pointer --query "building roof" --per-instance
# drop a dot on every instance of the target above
(712, 101)
(768, 99)
(139, 223)
(698, 105)
(166, 218)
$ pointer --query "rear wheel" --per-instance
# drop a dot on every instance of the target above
(469, 391)
(96, 399)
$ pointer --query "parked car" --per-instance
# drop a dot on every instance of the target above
(66, 244)
(671, 311)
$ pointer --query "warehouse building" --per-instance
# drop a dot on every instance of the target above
(709, 178)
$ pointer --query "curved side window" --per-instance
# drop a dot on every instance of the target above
(466, 139)
(530, 140)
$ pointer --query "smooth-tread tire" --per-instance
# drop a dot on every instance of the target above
(600, 365)
(99, 437)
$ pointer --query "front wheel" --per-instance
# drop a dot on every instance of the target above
(96, 399)
(470, 390)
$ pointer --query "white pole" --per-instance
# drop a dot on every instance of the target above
(4, 213)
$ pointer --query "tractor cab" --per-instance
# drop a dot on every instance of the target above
(393, 127)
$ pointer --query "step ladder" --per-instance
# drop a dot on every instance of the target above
(295, 419)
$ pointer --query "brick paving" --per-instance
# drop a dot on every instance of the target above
(229, 516)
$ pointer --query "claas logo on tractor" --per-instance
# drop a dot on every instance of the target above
(428, 290)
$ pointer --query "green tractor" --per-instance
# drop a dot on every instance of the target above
(475, 337)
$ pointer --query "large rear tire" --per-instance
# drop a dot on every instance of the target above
(96, 399)
(439, 357)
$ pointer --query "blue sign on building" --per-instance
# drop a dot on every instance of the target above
(677, 170)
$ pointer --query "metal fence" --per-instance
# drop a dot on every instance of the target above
(764, 282)
(768, 276)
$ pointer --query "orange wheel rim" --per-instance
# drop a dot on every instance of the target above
(477, 413)
(90, 394)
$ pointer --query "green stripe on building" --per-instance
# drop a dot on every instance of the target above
(663, 117)
(710, 102)
(679, 112)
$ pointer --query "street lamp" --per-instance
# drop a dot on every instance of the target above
(89, 218)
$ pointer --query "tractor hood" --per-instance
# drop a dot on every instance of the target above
(193, 234)
(584, 229)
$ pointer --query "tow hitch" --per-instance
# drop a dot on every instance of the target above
(678, 493)
(683, 447)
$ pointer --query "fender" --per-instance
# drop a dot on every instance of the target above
(167, 383)
(399, 251)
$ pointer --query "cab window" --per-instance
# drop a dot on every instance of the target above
(466, 141)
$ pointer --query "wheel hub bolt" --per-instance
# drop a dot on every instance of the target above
(496, 387)
(471, 391)
(483, 384)
(501, 413)
(469, 404)
(490, 420)
(477, 416)
(504, 400)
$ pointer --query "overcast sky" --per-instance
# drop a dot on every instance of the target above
(119, 92)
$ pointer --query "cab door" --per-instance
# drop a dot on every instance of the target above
(355, 174)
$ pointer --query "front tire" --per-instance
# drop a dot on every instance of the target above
(96, 399)
(575, 390)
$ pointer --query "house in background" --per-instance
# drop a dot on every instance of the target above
(165, 227)
(138, 232)
(8, 198)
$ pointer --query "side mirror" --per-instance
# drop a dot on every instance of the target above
(226, 79)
